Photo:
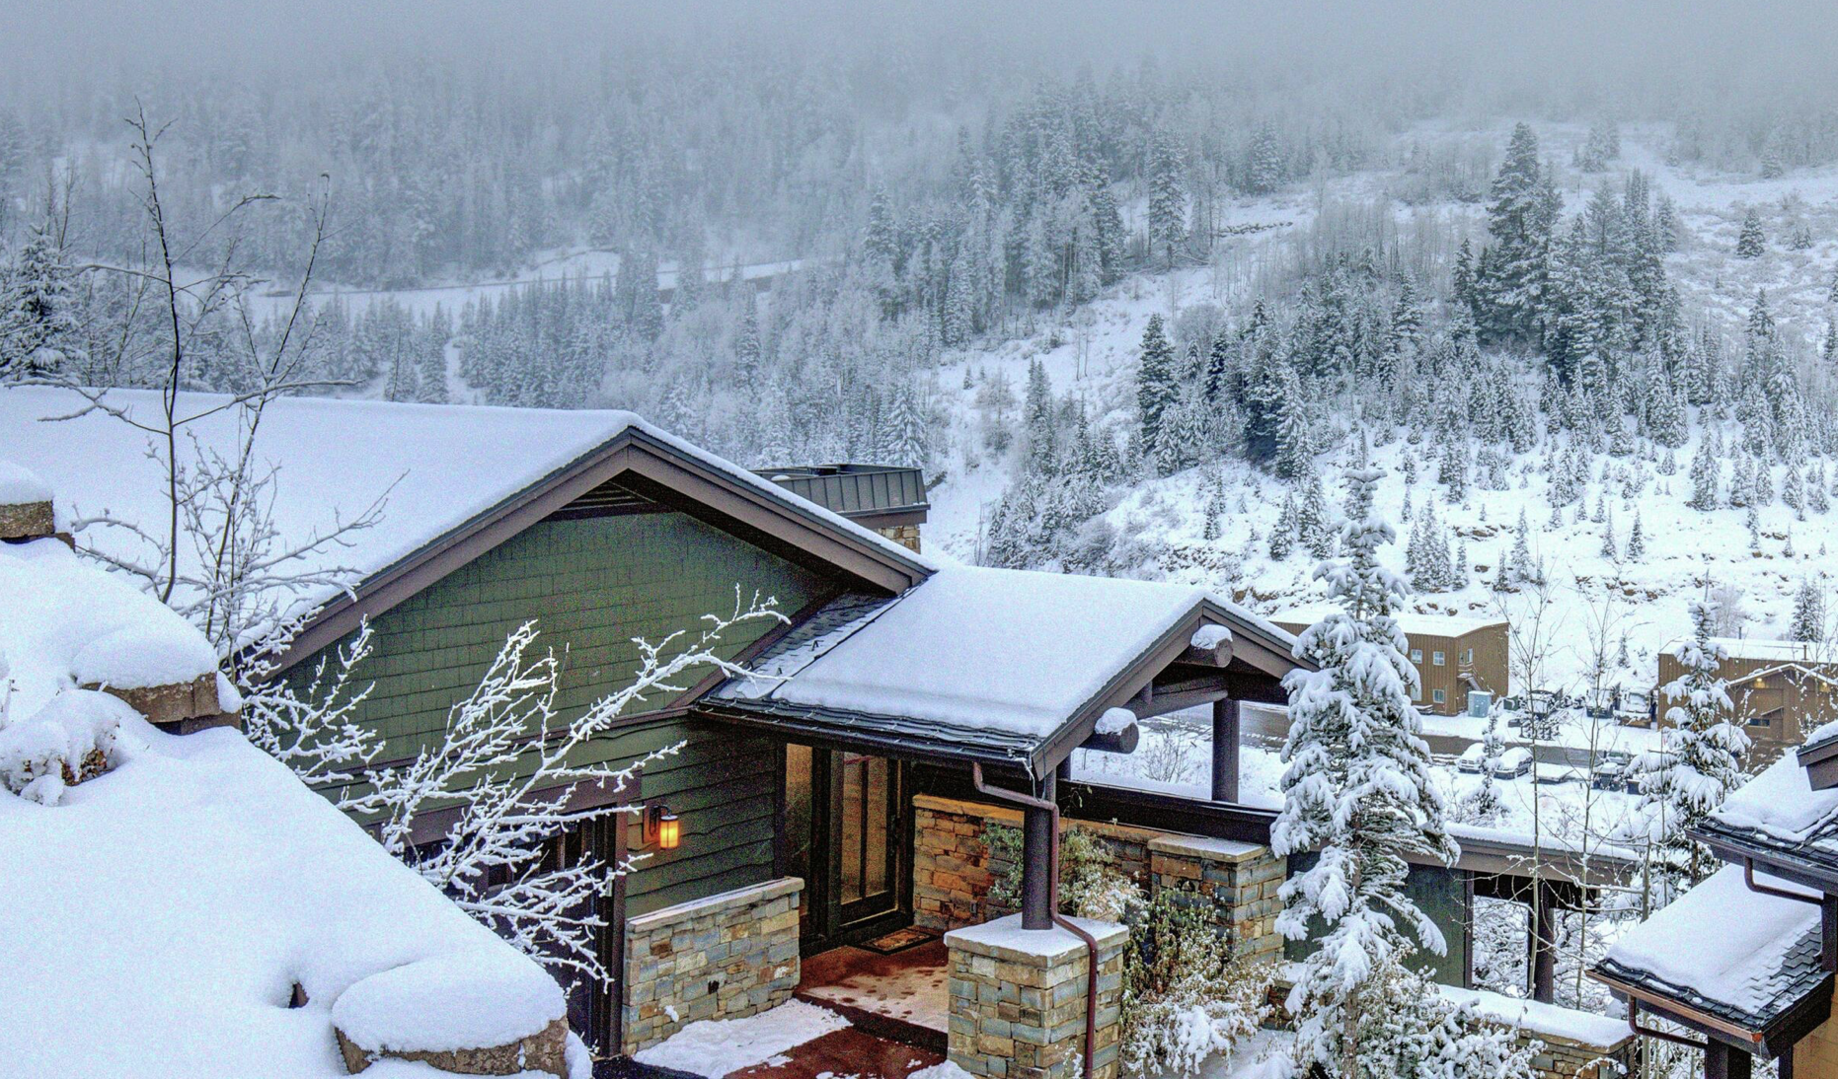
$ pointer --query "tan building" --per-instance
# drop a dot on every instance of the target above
(1782, 690)
(1453, 656)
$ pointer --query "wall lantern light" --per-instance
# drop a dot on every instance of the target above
(662, 827)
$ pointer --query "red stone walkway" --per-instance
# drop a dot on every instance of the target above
(845, 1054)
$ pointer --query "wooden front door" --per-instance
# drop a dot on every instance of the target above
(848, 832)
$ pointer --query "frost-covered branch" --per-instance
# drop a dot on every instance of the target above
(507, 766)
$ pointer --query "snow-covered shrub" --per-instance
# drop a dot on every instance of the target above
(76, 736)
(1090, 884)
(1422, 1034)
(1185, 998)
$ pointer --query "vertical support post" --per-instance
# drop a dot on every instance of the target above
(1225, 750)
(1725, 1062)
(1037, 842)
(1544, 942)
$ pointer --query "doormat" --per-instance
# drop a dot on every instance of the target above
(900, 939)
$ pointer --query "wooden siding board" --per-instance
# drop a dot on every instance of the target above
(593, 584)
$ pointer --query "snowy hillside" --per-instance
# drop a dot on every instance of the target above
(1621, 607)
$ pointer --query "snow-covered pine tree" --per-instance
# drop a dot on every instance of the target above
(1750, 242)
(1167, 195)
(1700, 759)
(1283, 536)
(1808, 613)
(1706, 470)
(1609, 550)
(1484, 803)
(1037, 421)
(1511, 290)
(1214, 511)
(38, 326)
(1156, 388)
(1358, 792)
(1636, 541)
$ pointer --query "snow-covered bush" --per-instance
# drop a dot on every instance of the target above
(76, 736)
(1424, 1035)
(1185, 998)
(1090, 884)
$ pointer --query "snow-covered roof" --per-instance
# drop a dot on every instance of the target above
(1778, 812)
(156, 916)
(1756, 648)
(1726, 951)
(1412, 623)
(434, 467)
(1014, 653)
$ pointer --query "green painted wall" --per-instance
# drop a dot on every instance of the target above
(593, 585)
(1440, 893)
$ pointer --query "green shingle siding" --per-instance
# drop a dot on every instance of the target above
(592, 585)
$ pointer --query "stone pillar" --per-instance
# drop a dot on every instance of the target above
(1237, 882)
(1018, 1000)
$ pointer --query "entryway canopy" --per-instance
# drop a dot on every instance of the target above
(1006, 668)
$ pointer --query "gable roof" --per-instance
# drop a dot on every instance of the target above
(452, 481)
(1779, 820)
(995, 664)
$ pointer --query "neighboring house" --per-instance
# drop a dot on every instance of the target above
(180, 904)
(887, 498)
(1454, 657)
(841, 794)
(1745, 960)
(1782, 690)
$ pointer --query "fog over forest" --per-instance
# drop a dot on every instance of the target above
(1143, 290)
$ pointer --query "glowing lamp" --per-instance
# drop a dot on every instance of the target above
(662, 827)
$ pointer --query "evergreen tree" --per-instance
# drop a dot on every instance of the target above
(1214, 511)
(1750, 243)
(1519, 220)
(39, 333)
(1700, 759)
(1156, 389)
(1609, 550)
(1357, 791)
(1636, 541)
(1038, 421)
(1808, 614)
(1706, 469)
(1484, 803)
(1167, 195)
(1264, 168)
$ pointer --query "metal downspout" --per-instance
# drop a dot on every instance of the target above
(1091, 942)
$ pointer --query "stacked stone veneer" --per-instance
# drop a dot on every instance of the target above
(1018, 1000)
(723, 957)
(1561, 1058)
(953, 870)
(905, 535)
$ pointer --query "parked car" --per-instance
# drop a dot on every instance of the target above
(1471, 758)
(1513, 763)
(1611, 774)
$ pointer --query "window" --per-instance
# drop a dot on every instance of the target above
(1760, 721)
(1467, 656)
(1416, 655)
(1439, 659)
(1438, 695)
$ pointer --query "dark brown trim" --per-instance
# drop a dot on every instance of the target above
(753, 651)
(781, 525)
(890, 518)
